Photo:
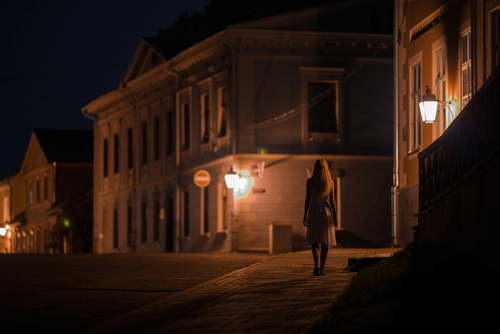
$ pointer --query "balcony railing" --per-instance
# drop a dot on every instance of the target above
(469, 145)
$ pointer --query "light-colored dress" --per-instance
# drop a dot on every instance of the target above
(320, 228)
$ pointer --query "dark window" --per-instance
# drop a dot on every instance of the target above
(116, 161)
(38, 191)
(205, 118)
(205, 209)
(157, 138)
(129, 225)
(156, 230)
(144, 223)
(186, 133)
(115, 228)
(223, 112)
(105, 157)
(130, 148)
(186, 214)
(322, 114)
(170, 133)
(45, 188)
(144, 143)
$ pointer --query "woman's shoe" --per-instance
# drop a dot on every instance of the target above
(316, 271)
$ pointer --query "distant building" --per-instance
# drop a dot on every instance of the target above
(57, 167)
(265, 98)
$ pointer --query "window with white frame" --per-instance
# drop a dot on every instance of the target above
(205, 117)
(443, 119)
(466, 79)
(415, 121)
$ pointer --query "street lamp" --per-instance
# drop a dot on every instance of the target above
(232, 179)
(428, 107)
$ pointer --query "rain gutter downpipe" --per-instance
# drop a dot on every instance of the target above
(395, 175)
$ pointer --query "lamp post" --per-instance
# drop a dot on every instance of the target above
(428, 107)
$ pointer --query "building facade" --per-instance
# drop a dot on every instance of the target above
(451, 48)
(265, 99)
(57, 166)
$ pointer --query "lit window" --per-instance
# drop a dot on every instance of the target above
(443, 118)
(466, 68)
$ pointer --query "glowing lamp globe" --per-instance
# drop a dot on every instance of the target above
(232, 179)
(428, 107)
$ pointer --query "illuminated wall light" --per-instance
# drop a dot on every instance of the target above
(245, 184)
(66, 222)
(3, 231)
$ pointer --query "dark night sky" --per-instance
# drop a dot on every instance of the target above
(56, 56)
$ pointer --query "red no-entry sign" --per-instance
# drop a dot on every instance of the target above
(201, 178)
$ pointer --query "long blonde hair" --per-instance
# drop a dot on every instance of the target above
(322, 182)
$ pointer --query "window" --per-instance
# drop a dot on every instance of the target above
(30, 193)
(130, 161)
(116, 158)
(105, 157)
(115, 228)
(45, 188)
(222, 112)
(415, 122)
(322, 115)
(205, 118)
(186, 213)
(157, 138)
(129, 226)
(144, 143)
(466, 68)
(156, 227)
(144, 223)
(170, 133)
(205, 210)
(443, 119)
(6, 209)
(185, 126)
(37, 189)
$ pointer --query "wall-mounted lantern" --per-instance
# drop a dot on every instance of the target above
(428, 107)
(232, 179)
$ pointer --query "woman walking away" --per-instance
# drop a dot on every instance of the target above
(320, 214)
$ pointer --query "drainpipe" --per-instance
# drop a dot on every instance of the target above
(395, 175)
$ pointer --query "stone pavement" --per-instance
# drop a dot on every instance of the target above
(278, 295)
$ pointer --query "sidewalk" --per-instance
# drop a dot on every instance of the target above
(276, 295)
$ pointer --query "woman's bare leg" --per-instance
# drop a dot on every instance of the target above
(324, 252)
(315, 252)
